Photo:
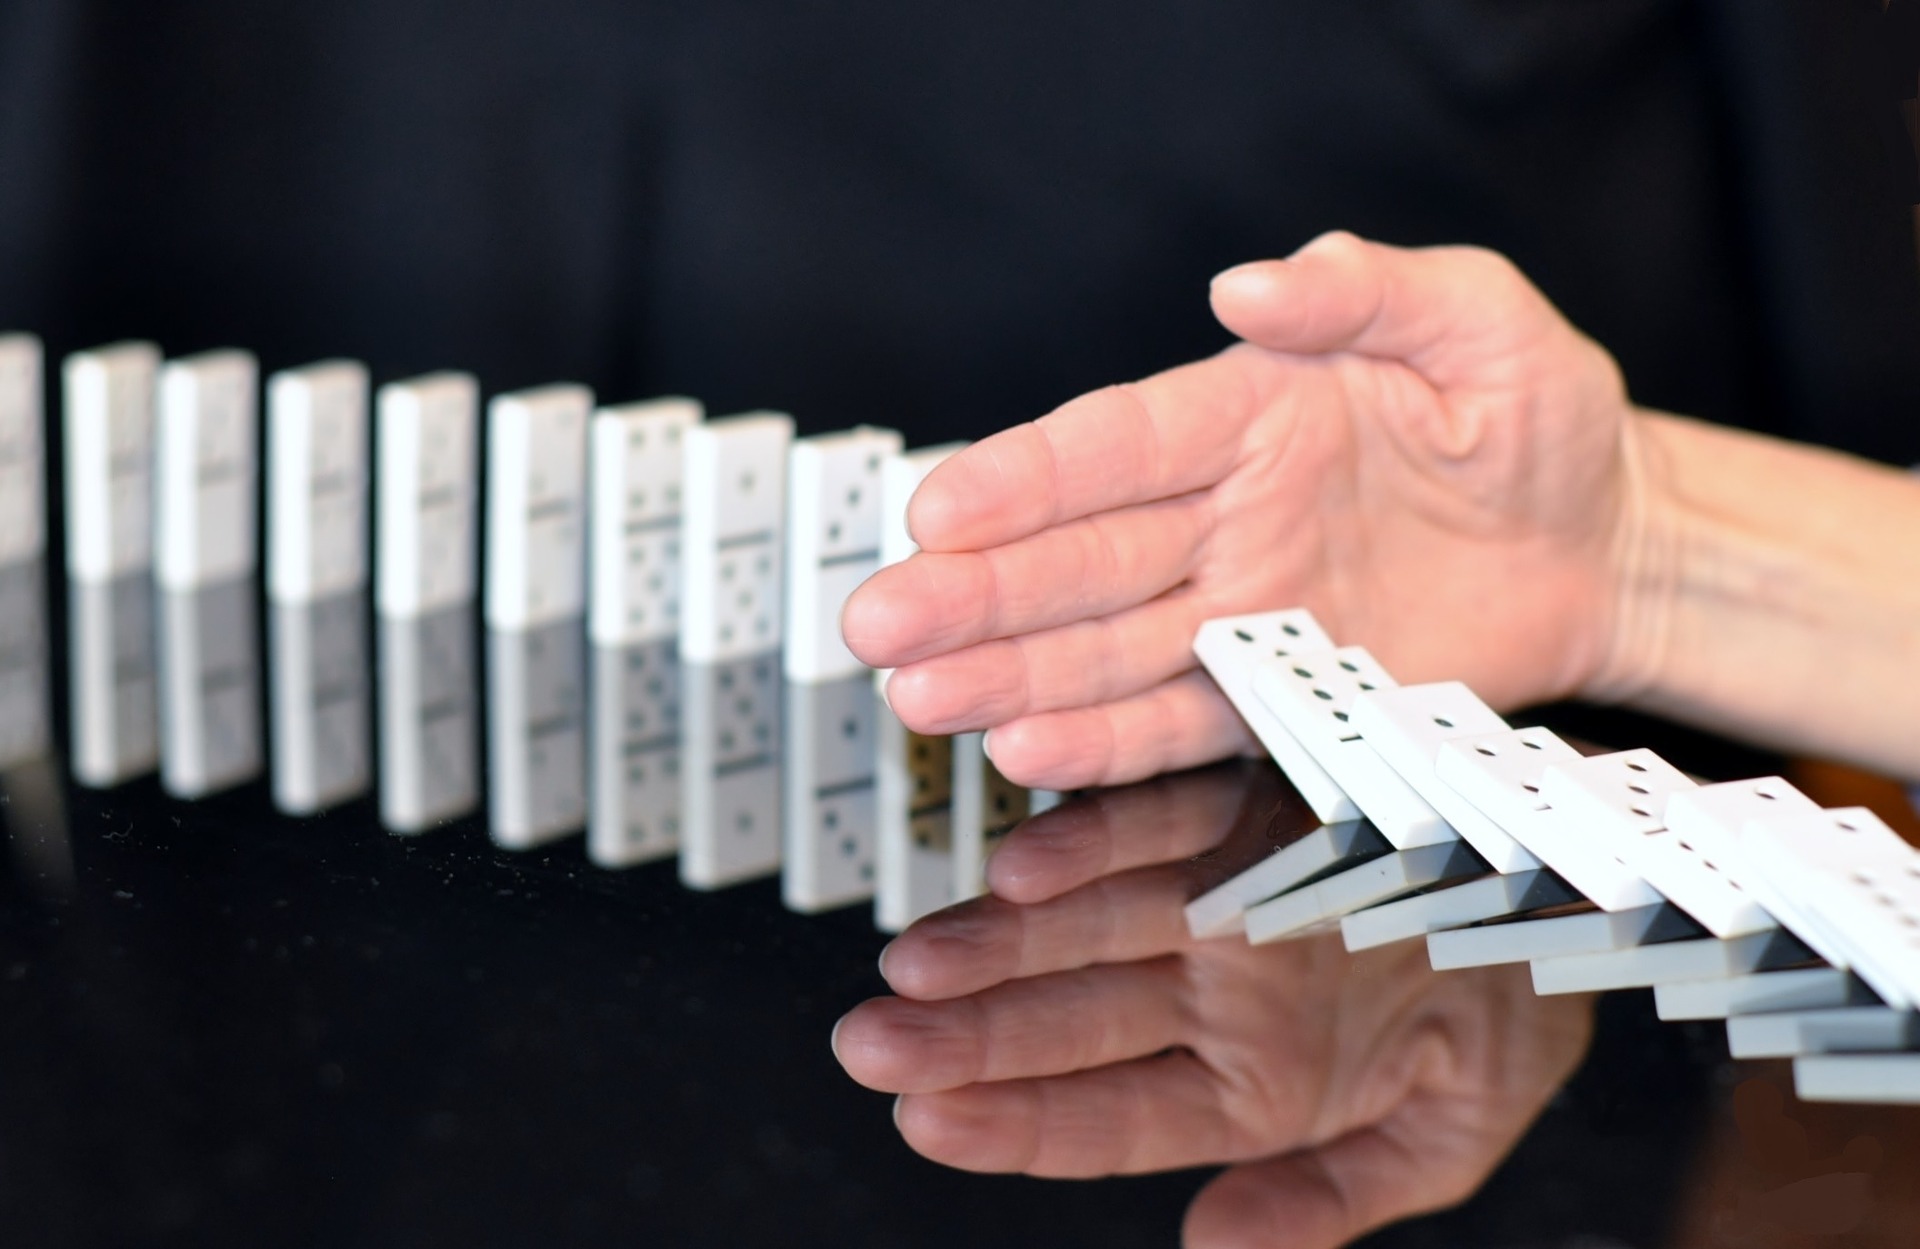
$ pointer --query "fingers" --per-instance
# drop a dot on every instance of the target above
(1173, 433)
(1178, 724)
(1152, 1114)
(969, 948)
(1161, 821)
(1329, 1196)
(1342, 293)
(1035, 1027)
(1076, 665)
(1082, 570)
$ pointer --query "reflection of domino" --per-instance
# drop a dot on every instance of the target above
(1232, 649)
(209, 689)
(536, 524)
(427, 480)
(207, 463)
(1313, 695)
(317, 472)
(829, 807)
(834, 512)
(429, 719)
(26, 712)
(536, 733)
(986, 806)
(1321, 852)
(109, 430)
(638, 475)
(634, 812)
(733, 547)
(320, 701)
(1325, 903)
(730, 771)
(23, 531)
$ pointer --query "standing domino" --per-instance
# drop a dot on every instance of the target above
(1231, 649)
(736, 474)
(637, 474)
(537, 506)
(1312, 695)
(317, 472)
(427, 483)
(833, 532)
(207, 463)
(23, 531)
(109, 419)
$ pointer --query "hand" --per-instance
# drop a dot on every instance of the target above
(1413, 444)
(1086, 1034)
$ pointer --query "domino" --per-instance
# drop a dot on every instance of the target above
(320, 702)
(210, 709)
(1407, 725)
(830, 806)
(913, 793)
(1320, 906)
(1476, 901)
(1890, 1078)
(730, 793)
(318, 453)
(986, 807)
(425, 486)
(1312, 695)
(1798, 988)
(1221, 911)
(536, 733)
(834, 514)
(900, 478)
(635, 492)
(1557, 936)
(1820, 870)
(1230, 649)
(23, 530)
(206, 462)
(428, 703)
(1668, 962)
(1787, 1034)
(114, 692)
(108, 424)
(536, 521)
(1500, 774)
(1619, 800)
(634, 808)
(26, 707)
(735, 490)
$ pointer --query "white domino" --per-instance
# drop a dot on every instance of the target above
(635, 812)
(1786, 1034)
(1797, 988)
(834, 513)
(210, 707)
(1473, 902)
(428, 702)
(113, 679)
(1890, 1078)
(109, 396)
(733, 547)
(1557, 936)
(1619, 801)
(636, 491)
(1823, 871)
(320, 702)
(1501, 775)
(536, 524)
(1313, 694)
(1323, 904)
(206, 462)
(1407, 726)
(536, 733)
(1332, 847)
(1667, 962)
(23, 530)
(900, 477)
(830, 809)
(318, 453)
(1230, 649)
(426, 487)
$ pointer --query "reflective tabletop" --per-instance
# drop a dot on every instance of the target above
(299, 946)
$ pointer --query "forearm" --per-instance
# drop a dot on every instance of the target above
(1771, 591)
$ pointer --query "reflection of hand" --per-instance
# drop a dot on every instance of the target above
(1084, 1033)
(1418, 447)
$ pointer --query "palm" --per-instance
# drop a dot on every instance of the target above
(1397, 466)
(1086, 1034)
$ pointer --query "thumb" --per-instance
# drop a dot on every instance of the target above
(1436, 307)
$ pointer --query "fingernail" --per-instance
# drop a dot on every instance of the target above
(986, 745)
(833, 1042)
(896, 1111)
(1249, 278)
(883, 959)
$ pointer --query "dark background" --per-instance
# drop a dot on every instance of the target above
(234, 1029)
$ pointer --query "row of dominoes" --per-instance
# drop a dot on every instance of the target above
(1495, 844)
(655, 582)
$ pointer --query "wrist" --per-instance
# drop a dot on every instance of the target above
(1643, 567)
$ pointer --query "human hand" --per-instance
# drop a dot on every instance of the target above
(1414, 444)
(1084, 1033)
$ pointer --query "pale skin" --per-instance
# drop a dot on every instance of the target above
(1418, 447)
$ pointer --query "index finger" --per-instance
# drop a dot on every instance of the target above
(1171, 434)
